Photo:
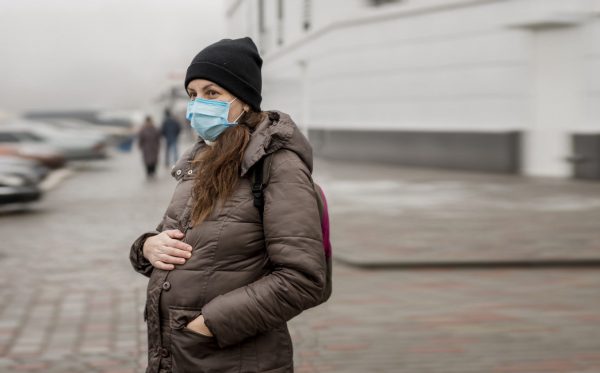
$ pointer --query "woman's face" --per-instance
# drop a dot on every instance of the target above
(211, 91)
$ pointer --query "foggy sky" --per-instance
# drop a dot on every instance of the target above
(74, 54)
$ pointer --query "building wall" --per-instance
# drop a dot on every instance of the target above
(434, 68)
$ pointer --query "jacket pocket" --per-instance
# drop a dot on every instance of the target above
(279, 340)
(194, 352)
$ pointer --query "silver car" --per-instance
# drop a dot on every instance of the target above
(19, 182)
(73, 144)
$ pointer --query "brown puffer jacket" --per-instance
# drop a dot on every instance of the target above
(247, 277)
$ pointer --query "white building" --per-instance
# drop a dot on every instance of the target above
(507, 86)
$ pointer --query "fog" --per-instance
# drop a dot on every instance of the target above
(108, 54)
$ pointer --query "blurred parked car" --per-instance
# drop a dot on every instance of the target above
(113, 134)
(73, 126)
(73, 145)
(46, 155)
(30, 168)
(16, 186)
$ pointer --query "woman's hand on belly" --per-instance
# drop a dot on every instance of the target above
(166, 249)
(199, 326)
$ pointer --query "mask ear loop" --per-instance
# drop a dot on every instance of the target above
(238, 117)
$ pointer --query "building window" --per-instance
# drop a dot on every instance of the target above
(233, 8)
(382, 2)
(261, 17)
(306, 15)
(262, 30)
(279, 22)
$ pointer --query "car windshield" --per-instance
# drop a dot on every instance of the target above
(28, 136)
(19, 136)
(8, 137)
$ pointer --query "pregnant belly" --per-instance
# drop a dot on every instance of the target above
(195, 288)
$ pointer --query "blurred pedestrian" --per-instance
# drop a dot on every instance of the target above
(227, 269)
(149, 143)
(170, 130)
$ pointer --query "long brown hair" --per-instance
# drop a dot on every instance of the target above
(217, 168)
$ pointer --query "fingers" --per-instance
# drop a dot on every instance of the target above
(174, 233)
(173, 255)
(178, 245)
(160, 265)
(166, 258)
(169, 250)
(176, 252)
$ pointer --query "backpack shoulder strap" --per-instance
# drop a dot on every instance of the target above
(257, 185)
(258, 182)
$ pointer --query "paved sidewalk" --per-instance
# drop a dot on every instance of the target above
(454, 321)
(400, 216)
(71, 302)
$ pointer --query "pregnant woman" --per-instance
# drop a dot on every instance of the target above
(225, 276)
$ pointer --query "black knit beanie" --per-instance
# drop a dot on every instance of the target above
(234, 64)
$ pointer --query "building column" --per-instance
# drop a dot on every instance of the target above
(556, 101)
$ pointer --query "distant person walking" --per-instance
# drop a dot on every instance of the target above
(170, 130)
(149, 143)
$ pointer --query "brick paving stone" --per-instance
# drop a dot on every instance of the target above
(31, 367)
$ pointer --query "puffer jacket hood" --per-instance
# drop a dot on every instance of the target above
(275, 132)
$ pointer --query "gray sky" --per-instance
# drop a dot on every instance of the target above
(118, 54)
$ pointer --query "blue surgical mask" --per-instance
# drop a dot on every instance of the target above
(209, 118)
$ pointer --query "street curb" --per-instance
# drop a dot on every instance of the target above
(474, 264)
(54, 178)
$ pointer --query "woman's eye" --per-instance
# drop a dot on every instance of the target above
(212, 93)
